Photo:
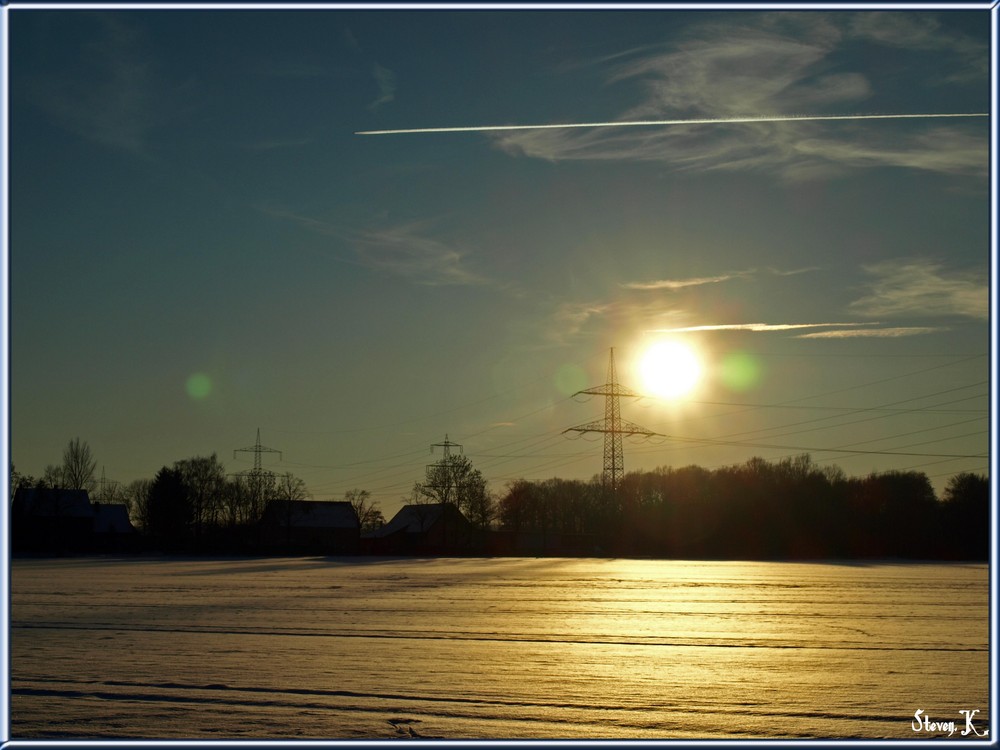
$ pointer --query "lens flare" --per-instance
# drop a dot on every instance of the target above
(740, 371)
(570, 379)
(198, 386)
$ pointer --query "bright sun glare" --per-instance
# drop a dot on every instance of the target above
(669, 369)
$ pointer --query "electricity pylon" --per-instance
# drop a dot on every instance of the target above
(613, 426)
(256, 479)
(445, 447)
(257, 449)
(104, 486)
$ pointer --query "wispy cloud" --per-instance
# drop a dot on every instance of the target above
(386, 81)
(924, 32)
(115, 105)
(673, 284)
(882, 333)
(755, 327)
(794, 271)
(406, 250)
(778, 64)
(676, 284)
(571, 321)
(922, 288)
(840, 330)
(276, 144)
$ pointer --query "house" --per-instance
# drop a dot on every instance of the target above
(424, 529)
(59, 521)
(112, 529)
(311, 527)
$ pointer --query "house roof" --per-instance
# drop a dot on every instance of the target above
(315, 514)
(60, 503)
(418, 518)
(112, 518)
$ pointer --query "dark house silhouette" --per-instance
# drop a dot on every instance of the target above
(311, 527)
(58, 521)
(425, 529)
(112, 530)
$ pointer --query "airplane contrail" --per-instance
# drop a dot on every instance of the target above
(652, 123)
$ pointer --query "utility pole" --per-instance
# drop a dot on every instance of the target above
(613, 426)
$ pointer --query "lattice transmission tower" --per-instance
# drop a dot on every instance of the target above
(257, 479)
(257, 449)
(445, 447)
(613, 426)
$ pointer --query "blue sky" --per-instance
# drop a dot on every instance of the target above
(201, 246)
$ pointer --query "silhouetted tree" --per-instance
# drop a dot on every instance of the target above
(204, 479)
(53, 478)
(966, 511)
(78, 466)
(454, 480)
(137, 498)
(369, 515)
(18, 480)
(513, 510)
(169, 509)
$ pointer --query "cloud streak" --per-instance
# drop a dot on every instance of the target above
(755, 327)
(404, 250)
(921, 288)
(677, 284)
(674, 284)
(882, 333)
(386, 81)
(407, 251)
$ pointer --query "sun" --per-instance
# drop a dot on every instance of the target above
(669, 369)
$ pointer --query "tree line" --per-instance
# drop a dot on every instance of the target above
(759, 509)
(193, 504)
(788, 509)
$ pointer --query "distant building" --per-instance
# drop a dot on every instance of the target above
(425, 529)
(58, 521)
(315, 527)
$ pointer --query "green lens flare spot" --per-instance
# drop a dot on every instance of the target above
(569, 379)
(740, 372)
(198, 386)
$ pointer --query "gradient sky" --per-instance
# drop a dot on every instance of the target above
(201, 246)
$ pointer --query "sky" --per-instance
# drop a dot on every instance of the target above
(201, 245)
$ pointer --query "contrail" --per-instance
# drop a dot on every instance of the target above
(653, 123)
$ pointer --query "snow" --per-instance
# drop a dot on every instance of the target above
(320, 648)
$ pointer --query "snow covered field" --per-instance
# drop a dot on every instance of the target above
(314, 648)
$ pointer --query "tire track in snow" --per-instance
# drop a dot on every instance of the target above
(691, 642)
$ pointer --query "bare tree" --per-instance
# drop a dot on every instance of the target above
(137, 498)
(369, 514)
(205, 478)
(78, 466)
(455, 481)
(19, 480)
(290, 488)
(53, 477)
(288, 491)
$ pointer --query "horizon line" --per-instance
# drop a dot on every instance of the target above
(654, 123)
